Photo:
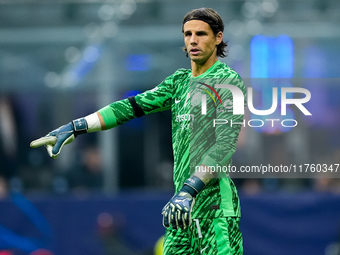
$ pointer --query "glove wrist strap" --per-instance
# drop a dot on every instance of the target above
(193, 185)
(79, 126)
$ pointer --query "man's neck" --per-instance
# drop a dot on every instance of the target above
(198, 68)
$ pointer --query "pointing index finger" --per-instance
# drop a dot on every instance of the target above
(43, 141)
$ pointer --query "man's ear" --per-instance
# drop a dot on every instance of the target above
(219, 38)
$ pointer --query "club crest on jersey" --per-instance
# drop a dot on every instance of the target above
(196, 99)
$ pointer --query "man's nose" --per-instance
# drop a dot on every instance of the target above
(193, 39)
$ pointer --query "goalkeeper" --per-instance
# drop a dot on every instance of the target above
(204, 214)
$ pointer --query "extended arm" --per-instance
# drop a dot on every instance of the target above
(117, 113)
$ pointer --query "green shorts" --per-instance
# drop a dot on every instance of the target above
(220, 236)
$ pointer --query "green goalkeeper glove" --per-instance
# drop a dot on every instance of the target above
(56, 139)
(177, 212)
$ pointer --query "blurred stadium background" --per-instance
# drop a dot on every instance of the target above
(64, 59)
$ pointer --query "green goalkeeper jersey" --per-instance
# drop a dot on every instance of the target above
(195, 103)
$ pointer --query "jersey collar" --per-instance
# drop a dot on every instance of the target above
(206, 72)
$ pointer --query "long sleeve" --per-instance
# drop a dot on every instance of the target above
(154, 100)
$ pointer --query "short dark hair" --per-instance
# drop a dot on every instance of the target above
(215, 21)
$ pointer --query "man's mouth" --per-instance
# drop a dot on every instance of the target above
(194, 51)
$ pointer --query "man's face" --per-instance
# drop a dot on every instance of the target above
(200, 40)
